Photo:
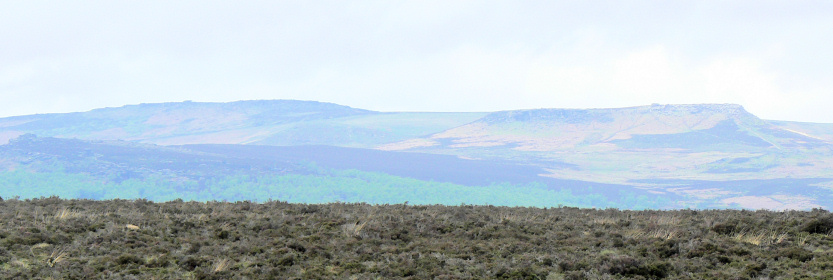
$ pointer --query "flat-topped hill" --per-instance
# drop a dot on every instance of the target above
(697, 154)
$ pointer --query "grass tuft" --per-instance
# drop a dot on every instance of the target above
(57, 256)
(221, 265)
(353, 229)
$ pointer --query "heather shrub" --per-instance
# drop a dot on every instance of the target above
(85, 239)
(821, 225)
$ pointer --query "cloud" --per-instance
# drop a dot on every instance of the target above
(474, 77)
(418, 55)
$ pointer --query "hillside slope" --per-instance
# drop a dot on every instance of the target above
(705, 142)
(33, 166)
(718, 154)
(270, 122)
(697, 127)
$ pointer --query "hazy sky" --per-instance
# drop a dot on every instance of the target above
(773, 57)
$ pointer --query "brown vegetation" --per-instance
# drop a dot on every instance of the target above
(52, 238)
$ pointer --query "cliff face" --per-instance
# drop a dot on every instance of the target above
(584, 116)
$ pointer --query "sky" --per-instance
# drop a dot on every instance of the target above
(772, 57)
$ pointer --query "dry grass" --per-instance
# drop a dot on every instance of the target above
(634, 233)
(760, 238)
(66, 213)
(508, 217)
(518, 217)
(666, 220)
(605, 221)
(353, 230)
(221, 265)
(20, 263)
(802, 239)
(663, 234)
(38, 246)
(57, 256)
(776, 238)
(750, 238)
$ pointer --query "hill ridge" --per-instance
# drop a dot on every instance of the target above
(641, 146)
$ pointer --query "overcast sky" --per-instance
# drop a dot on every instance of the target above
(773, 57)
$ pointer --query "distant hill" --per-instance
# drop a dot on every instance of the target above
(693, 127)
(718, 153)
(269, 122)
(706, 127)
(820, 131)
(624, 145)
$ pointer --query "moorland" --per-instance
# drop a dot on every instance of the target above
(699, 156)
(53, 238)
(284, 189)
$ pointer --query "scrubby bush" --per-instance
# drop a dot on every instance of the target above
(821, 225)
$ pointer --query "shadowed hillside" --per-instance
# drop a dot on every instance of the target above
(37, 166)
(34, 167)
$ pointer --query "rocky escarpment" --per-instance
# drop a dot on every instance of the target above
(607, 115)
(557, 129)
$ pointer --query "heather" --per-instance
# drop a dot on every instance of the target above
(53, 238)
